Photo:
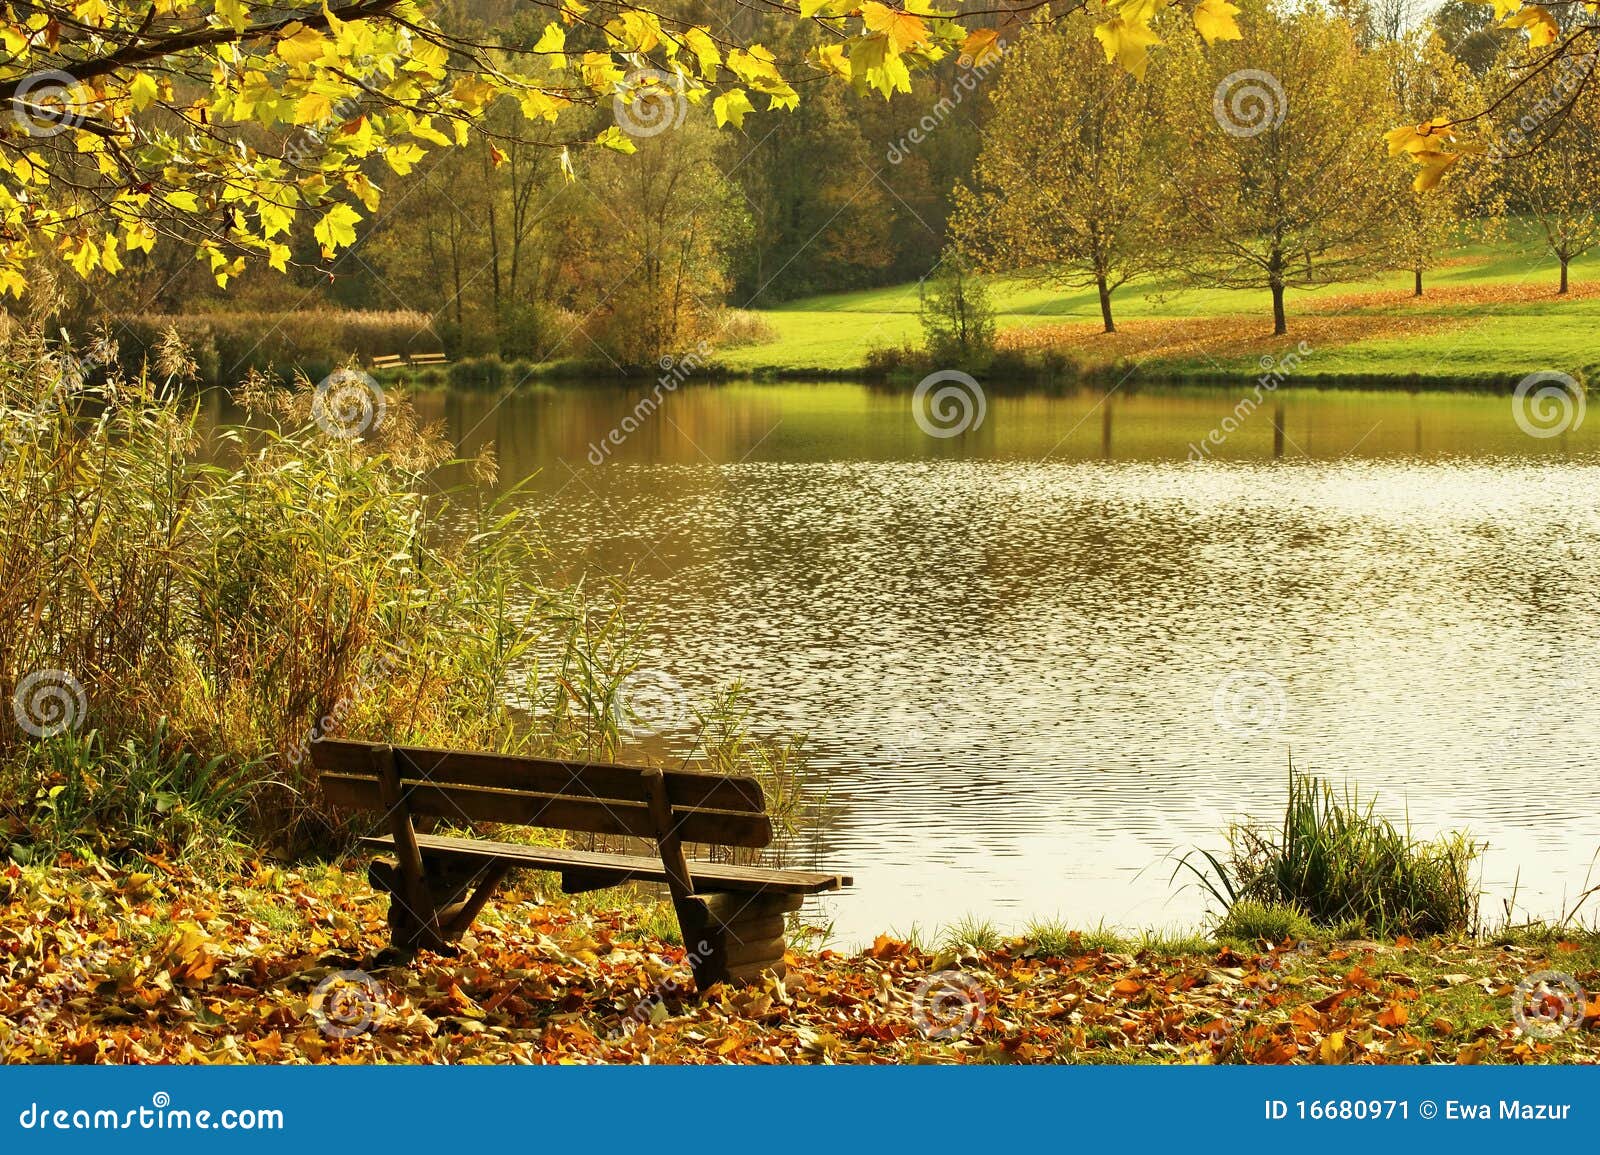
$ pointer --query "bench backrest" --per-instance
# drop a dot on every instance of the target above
(588, 797)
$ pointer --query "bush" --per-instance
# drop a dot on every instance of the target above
(957, 317)
(732, 328)
(883, 361)
(1341, 863)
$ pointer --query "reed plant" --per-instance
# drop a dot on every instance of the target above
(183, 610)
(1339, 863)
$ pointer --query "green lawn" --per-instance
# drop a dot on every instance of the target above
(1439, 340)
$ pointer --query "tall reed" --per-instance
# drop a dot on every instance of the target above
(1339, 862)
(226, 603)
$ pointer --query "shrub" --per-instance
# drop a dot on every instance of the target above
(883, 361)
(732, 328)
(1341, 863)
(312, 584)
(957, 317)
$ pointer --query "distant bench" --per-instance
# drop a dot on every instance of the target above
(399, 360)
(732, 917)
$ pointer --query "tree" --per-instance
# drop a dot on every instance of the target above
(956, 313)
(139, 123)
(1548, 168)
(653, 262)
(1276, 180)
(1425, 78)
(1065, 187)
(1469, 33)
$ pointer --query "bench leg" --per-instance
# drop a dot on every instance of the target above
(735, 938)
(457, 895)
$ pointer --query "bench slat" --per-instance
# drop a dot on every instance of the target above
(561, 812)
(687, 789)
(709, 876)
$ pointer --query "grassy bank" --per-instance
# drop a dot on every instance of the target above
(1488, 318)
(152, 963)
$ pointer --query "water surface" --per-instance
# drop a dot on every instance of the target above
(1035, 658)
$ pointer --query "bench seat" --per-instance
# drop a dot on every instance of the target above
(590, 869)
(733, 918)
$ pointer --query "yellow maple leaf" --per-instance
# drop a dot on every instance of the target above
(1434, 164)
(1541, 26)
(904, 31)
(301, 44)
(1415, 138)
(982, 45)
(1214, 20)
(1127, 43)
(337, 229)
(731, 106)
(831, 58)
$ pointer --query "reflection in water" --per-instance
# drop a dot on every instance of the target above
(1007, 646)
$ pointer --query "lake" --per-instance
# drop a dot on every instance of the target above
(1037, 657)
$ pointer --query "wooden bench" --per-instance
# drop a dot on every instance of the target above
(427, 358)
(388, 361)
(732, 917)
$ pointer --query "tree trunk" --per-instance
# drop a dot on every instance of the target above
(1280, 324)
(1105, 305)
(1563, 288)
(1418, 291)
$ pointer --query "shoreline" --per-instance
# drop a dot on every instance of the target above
(1101, 379)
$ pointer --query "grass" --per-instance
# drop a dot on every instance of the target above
(1337, 863)
(1473, 324)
